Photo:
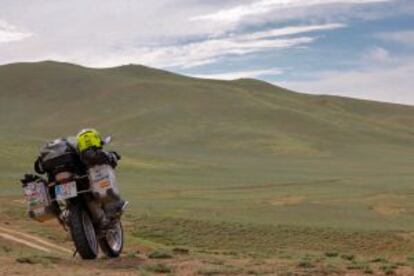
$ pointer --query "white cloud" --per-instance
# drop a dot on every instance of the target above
(388, 83)
(207, 51)
(103, 33)
(264, 6)
(107, 33)
(240, 74)
(379, 55)
(10, 33)
(292, 30)
(199, 53)
(403, 37)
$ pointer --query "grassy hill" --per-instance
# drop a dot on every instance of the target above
(206, 151)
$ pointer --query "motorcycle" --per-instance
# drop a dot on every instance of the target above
(85, 201)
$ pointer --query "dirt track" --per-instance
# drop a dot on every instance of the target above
(55, 257)
(32, 241)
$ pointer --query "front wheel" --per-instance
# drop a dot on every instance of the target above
(83, 232)
(112, 242)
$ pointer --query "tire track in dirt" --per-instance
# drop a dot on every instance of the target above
(24, 242)
(32, 241)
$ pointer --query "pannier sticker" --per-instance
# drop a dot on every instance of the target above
(104, 184)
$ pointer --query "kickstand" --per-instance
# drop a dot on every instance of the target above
(75, 253)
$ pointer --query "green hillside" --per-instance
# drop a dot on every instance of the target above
(238, 151)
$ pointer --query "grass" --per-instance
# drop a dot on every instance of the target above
(348, 257)
(181, 251)
(265, 239)
(158, 254)
(220, 270)
(357, 266)
(332, 254)
(157, 268)
(388, 269)
(45, 260)
(379, 260)
(305, 264)
(241, 166)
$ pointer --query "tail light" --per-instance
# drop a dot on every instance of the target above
(63, 177)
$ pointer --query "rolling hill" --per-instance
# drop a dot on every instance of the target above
(186, 132)
(204, 154)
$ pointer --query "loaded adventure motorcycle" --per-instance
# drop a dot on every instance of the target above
(81, 191)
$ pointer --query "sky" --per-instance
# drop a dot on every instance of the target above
(354, 48)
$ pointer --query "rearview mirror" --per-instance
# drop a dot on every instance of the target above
(107, 140)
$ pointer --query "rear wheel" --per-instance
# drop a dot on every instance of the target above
(112, 242)
(83, 232)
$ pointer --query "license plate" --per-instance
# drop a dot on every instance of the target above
(66, 191)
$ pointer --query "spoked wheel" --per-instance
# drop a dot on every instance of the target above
(112, 242)
(83, 232)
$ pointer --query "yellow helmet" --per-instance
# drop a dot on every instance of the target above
(88, 138)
